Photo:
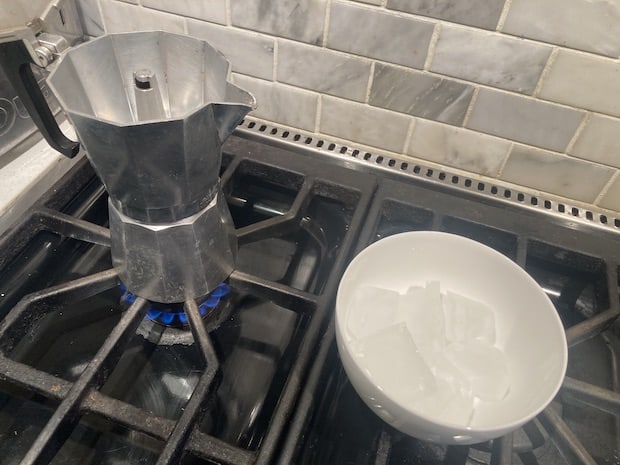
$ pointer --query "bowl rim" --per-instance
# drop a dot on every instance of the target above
(441, 235)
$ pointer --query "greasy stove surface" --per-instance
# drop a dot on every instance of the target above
(87, 376)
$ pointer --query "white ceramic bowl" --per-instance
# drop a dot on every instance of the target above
(528, 329)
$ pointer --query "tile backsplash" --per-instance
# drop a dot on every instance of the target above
(526, 92)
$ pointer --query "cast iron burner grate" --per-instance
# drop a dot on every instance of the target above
(316, 417)
(298, 223)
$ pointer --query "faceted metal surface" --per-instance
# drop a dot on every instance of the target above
(155, 169)
(177, 261)
(152, 110)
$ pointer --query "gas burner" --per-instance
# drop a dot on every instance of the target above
(173, 315)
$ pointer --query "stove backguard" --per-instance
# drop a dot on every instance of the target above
(253, 377)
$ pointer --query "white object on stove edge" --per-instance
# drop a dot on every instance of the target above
(527, 330)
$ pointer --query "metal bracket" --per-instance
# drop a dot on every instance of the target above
(50, 34)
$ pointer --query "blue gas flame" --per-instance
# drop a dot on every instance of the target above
(174, 314)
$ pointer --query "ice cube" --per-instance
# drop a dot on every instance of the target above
(485, 414)
(452, 401)
(372, 309)
(484, 366)
(420, 308)
(454, 407)
(467, 319)
(448, 375)
(392, 359)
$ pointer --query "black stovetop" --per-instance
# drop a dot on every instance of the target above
(86, 376)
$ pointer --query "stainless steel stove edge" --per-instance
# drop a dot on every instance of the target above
(363, 158)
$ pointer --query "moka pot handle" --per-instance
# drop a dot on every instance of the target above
(16, 61)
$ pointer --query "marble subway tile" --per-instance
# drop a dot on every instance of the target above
(458, 147)
(90, 17)
(364, 124)
(584, 81)
(524, 119)
(584, 24)
(611, 198)
(279, 103)
(208, 10)
(557, 174)
(322, 70)
(489, 58)
(294, 19)
(479, 13)
(599, 141)
(378, 34)
(420, 94)
(120, 17)
(248, 52)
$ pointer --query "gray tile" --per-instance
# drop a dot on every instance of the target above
(121, 17)
(480, 13)
(323, 70)
(295, 19)
(458, 147)
(600, 141)
(420, 94)
(209, 10)
(611, 198)
(584, 81)
(524, 119)
(248, 52)
(583, 24)
(379, 34)
(489, 58)
(557, 174)
(90, 17)
(364, 124)
(280, 103)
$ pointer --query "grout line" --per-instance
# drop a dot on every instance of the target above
(430, 53)
(275, 59)
(326, 21)
(443, 76)
(470, 108)
(469, 83)
(606, 188)
(185, 26)
(545, 72)
(578, 131)
(383, 3)
(317, 118)
(387, 110)
(427, 19)
(103, 21)
(500, 172)
(371, 78)
(409, 135)
(504, 14)
(228, 13)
